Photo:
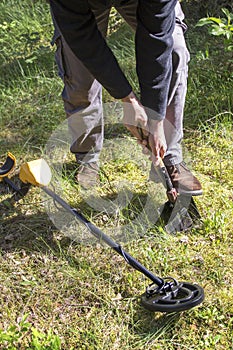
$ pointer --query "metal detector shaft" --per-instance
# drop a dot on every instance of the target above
(103, 237)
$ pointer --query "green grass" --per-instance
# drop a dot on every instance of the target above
(57, 293)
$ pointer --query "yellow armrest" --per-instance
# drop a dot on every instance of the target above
(36, 172)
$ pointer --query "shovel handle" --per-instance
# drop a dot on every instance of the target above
(167, 178)
(171, 191)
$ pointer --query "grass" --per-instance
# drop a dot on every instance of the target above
(58, 293)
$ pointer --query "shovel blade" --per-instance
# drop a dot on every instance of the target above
(180, 216)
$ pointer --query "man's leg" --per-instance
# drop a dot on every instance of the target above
(183, 180)
(82, 97)
(173, 124)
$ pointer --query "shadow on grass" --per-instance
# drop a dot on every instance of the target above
(32, 232)
(27, 226)
(26, 232)
(151, 326)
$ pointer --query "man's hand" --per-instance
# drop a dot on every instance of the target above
(134, 117)
(157, 140)
(149, 132)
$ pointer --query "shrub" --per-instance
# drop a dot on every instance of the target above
(220, 27)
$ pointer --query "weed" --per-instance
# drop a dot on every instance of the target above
(12, 338)
(220, 27)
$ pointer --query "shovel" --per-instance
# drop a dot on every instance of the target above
(180, 212)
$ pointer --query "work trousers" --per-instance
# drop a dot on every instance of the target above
(82, 94)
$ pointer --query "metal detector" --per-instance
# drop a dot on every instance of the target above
(163, 294)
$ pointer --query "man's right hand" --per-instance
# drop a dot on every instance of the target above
(134, 117)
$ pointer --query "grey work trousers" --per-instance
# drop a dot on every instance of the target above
(82, 94)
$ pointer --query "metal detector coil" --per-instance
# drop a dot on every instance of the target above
(175, 297)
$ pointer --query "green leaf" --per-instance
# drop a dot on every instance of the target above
(202, 22)
(215, 20)
(226, 12)
(217, 31)
(228, 35)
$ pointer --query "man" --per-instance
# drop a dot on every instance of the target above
(86, 64)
